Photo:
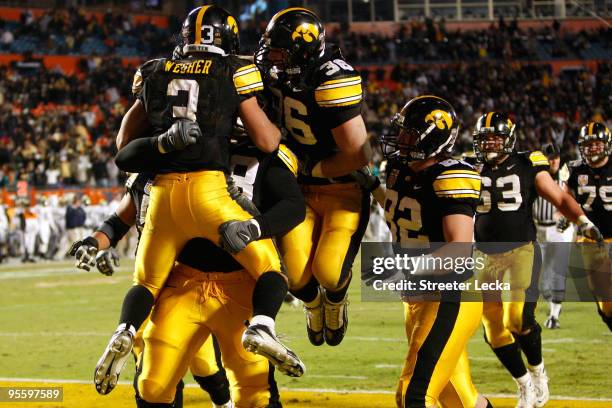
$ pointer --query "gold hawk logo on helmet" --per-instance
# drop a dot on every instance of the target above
(231, 22)
(306, 31)
(442, 119)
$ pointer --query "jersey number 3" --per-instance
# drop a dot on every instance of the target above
(178, 87)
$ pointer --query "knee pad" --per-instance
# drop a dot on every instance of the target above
(216, 385)
(151, 391)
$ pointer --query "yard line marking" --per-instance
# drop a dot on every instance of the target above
(388, 366)
(384, 339)
(52, 334)
(350, 377)
(323, 390)
(46, 272)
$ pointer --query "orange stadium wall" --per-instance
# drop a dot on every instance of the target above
(67, 63)
(13, 14)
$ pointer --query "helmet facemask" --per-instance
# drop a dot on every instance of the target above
(592, 150)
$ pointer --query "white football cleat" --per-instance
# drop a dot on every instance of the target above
(114, 358)
(260, 339)
(527, 393)
(336, 320)
(540, 382)
(228, 404)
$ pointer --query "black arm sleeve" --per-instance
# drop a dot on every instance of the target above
(140, 155)
(289, 209)
(114, 228)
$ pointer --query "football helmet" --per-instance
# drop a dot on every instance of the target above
(591, 132)
(210, 29)
(487, 146)
(290, 46)
(427, 126)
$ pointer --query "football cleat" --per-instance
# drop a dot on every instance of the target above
(336, 320)
(552, 323)
(540, 383)
(260, 339)
(114, 358)
(315, 321)
(527, 392)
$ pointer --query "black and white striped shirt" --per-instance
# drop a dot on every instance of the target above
(543, 210)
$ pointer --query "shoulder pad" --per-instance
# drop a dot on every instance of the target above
(248, 58)
(141, 74)
(247, 79)
(131, 180)
(288, 158)
(338, 85)
(457, 180)
(537, 158)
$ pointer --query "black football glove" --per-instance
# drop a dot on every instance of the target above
(107, 261)
(366, 180)
(236, 235)
(85, 253)
(181, 134)
(563, 224)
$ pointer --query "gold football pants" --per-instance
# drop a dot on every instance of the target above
(436, 371)
(191, 307)
(325, 244)
(598, 267)
(508, 313)
(189, 205)
(204, 363)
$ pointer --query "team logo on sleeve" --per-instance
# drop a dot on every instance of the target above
(583, 179)
(441, 118)
(306, 31)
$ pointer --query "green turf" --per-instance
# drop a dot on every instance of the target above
(56, 326)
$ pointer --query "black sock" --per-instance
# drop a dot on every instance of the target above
(338, 295)
(178, 395)
(489, 405)
(216, 385)
(510, 357)
(137, 305)
(531, 344)
(140, 403)
(309, 292)
(269, 293)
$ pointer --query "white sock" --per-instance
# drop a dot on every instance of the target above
(555, 309)
(316, 302)
(538, 368)
(524, 379)
(264, 320)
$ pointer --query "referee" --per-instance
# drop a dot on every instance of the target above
(555, 251)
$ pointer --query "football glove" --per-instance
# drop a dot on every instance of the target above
(181, 134)
(587, 229)
(85, 253)
(563, 224)
(107, 261)
(366, 180)
(236, 235)
(177, 53)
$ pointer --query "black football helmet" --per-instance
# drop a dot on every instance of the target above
(594, 131)
(427, 126)
(210, 29)
(497, 124)
(289, 48)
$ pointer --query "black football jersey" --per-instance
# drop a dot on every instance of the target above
(415, 203)
(309, 115)
(208, 90)
(592, 188)
(505, 211)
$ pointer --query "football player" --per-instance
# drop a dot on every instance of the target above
(206, 90)
(590, 182)
(510, 183)
(432, 198)
(270, 181)
(316, 96)
(131, 211)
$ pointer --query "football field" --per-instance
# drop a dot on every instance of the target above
(55, 322)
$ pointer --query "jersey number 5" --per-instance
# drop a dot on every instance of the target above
(191, 88)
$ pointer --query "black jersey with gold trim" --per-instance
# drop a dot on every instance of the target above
(416, 202)
(208, 90)
(592, 188)
(333, 97)
(138, 186)
(505, 211)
